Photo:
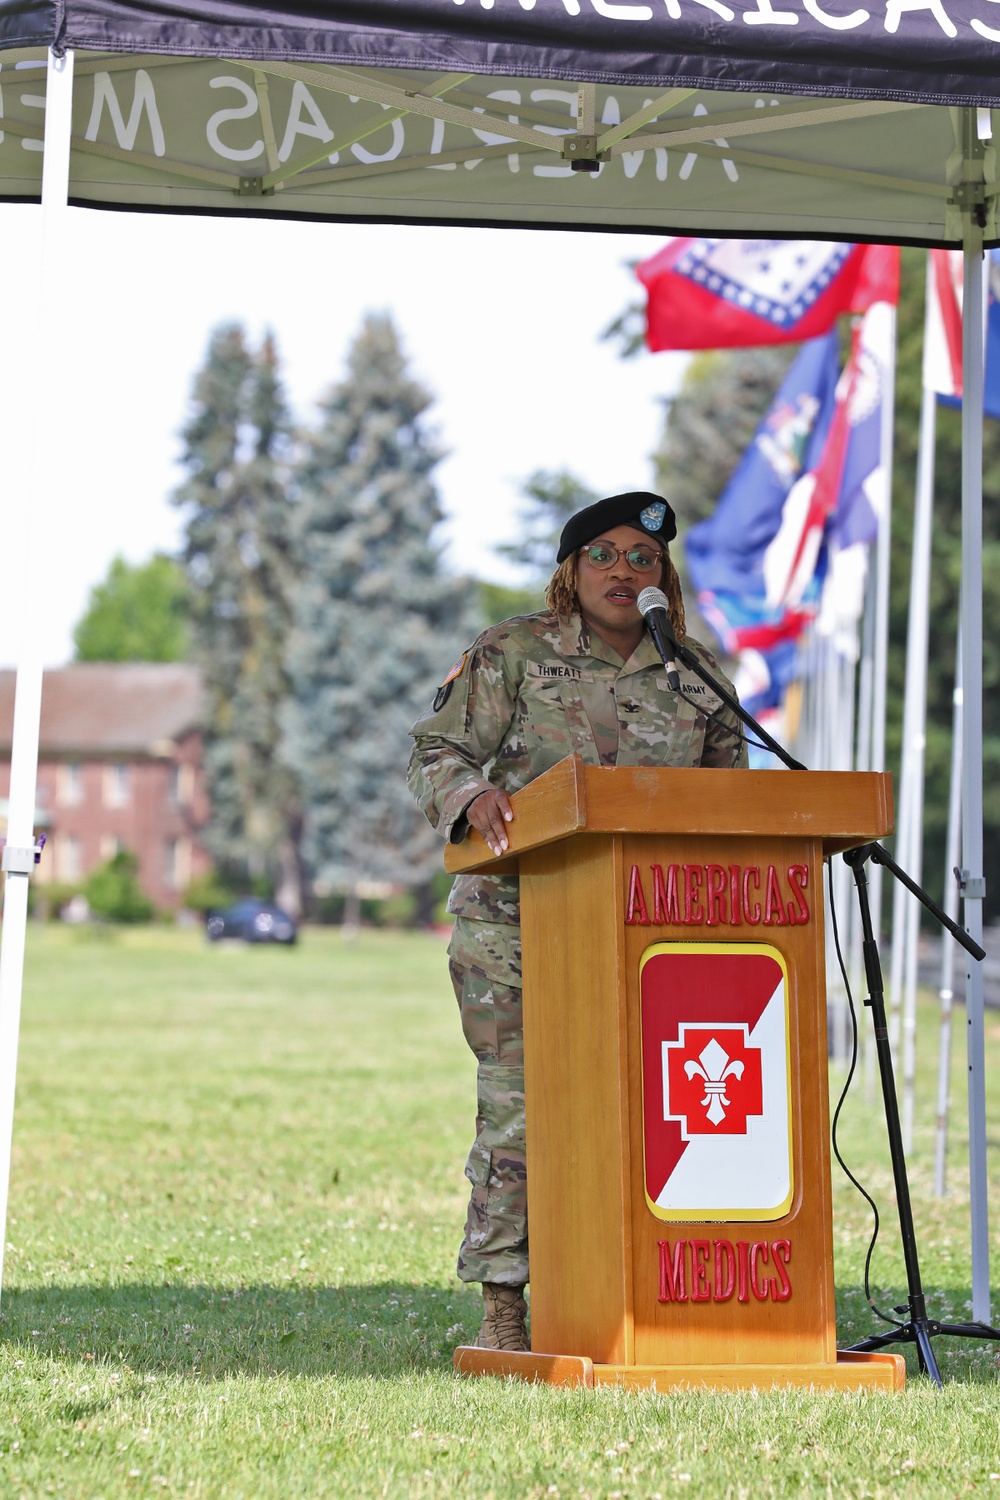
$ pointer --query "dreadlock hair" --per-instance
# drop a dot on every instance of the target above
(560, 592)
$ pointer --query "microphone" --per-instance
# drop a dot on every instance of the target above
(653, 606)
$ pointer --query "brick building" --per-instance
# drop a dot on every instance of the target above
(119, 768)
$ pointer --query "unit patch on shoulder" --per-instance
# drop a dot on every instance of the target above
(652, 516)
(444, 691)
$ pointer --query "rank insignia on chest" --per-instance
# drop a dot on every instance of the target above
(444, 691)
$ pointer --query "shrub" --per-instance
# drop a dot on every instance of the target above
(47, 899)
(114, 892)
(209, 892)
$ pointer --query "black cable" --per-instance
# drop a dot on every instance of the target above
(840, 1104)
(745, 739)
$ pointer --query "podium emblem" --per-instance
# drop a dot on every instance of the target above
(715, 1082)
(712, 1080)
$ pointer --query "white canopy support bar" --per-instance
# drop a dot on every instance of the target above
(879, 181)
(320, 153)
(652, 111)
(760, 122)
(266, 120)
(20, 578)
(414, 101)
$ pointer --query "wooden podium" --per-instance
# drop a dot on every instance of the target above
(676, 1075)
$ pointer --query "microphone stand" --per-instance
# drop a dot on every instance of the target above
(919, 1328)
(693, 664)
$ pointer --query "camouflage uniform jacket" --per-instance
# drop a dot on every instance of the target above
(535, 689)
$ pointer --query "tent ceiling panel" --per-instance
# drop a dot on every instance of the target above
(937, 51)
(314, 140)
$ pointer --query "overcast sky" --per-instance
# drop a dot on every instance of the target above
(502, 325)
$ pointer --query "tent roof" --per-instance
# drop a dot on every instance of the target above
(798, 117)
(934, 51)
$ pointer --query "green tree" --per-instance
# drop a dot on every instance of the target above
(710, 422)
(502, 601)
(241, 578)
(138, 613)
(550, 498)
(377, 623)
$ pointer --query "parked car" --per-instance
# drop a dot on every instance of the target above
(252, 920)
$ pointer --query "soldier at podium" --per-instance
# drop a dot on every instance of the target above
(580, 677)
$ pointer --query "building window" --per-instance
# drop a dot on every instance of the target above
(116, 785)
(177, 864)
(110, 846)
(181, 785)
(69, 784)
(68, 862)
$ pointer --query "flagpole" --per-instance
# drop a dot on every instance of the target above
(909, 840)
(914, 739)
(973, 880)
(880, 661)
(946, 993)
(864, 763)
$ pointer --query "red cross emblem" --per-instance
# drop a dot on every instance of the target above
(712, 1080)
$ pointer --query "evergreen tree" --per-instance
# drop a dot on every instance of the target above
(138, 613)
(550, 498)
(709, 423)
(377, 621)
(239, 566)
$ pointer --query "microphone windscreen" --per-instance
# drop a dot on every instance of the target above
(651, 598)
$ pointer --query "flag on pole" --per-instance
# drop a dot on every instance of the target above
(841, 498)
(726, 552)
(943, 331)
(863, 496)
(723, 294)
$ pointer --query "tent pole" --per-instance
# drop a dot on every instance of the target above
(18, 855)
(973, 880)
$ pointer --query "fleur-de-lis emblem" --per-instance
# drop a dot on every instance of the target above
(714, 1066)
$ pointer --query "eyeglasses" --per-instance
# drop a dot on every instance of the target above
(602, 555)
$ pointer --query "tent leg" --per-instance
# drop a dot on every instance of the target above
(28, 690)
(972, 714)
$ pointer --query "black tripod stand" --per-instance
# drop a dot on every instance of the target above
(919, 1328)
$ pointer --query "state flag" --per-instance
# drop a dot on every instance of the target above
(942, 367)
(722, 294)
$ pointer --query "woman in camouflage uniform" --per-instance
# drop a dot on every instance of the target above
(581, 677)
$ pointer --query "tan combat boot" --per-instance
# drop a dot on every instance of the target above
(504, 1312)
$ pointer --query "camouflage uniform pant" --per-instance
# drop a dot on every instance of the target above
(485, 963)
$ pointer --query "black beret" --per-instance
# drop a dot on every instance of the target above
(649, 513)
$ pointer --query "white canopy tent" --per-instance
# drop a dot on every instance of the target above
(789, 118)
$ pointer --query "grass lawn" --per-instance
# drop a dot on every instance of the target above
(236, 1197)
